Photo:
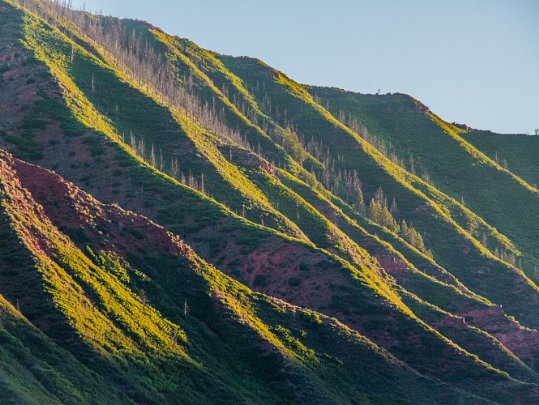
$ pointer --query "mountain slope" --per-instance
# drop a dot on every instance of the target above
(432, 212)
(187, 308)
(516, 152)
(441, 152)
(263, 181)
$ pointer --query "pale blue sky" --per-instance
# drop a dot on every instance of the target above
(471, 61)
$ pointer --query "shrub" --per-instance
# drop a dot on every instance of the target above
(26, 148)
(136, 233)
(310, 318)
(260, 281)
(95, 146)
(294, 281)
(33, 123)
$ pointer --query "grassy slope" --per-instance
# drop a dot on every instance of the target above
(36, 370)
(211, 71)
(171, 133)
(192, 50)
(153, 187)
(455, 166)
(429, 215)
(216, 75)
(277, 351)
(172, 214)
(447, 294)
(237, 96)
(520, 151)
(212, 74)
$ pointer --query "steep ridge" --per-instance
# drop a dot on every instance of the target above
(449, 294)
(187, 307)
(161, 136)
(35, 370)
(228, 172)
(516, 151)
(440, 151)
(477, 267)
(249, 259)
(214, 69)
(376, 309)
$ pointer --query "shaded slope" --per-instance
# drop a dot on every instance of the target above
(164, 138)
(434, 285)
(192, 55)
(517, 152)
(87, 149)
(35, 370)
(441, 151)
(461, 254)
(354, 298)
(276, 350)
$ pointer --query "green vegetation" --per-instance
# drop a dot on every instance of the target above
(438, 218)
(93, 296)
(518, 153)
(261, 241)
(441, 153)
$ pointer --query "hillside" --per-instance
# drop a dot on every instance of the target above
(516, 152)
(182, 226)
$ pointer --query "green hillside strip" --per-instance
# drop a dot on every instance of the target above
(306, 351)
(112, 320)
(87, 115)
(167, 135)
(96, 318)
(471, 338)
(443, 235)
(437, 341)
(154, 182)
(35, 370)
(233, 89)
(419, 259)
(518, 152)
(213, 80)
(207, 90)
(126, 298)
(378, 247)
(318, 228)
(454, 298)
(82, 108)
(454, 165)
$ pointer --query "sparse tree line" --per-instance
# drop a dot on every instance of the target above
(501, 162)
(380, 212)
(153, 72)
(347, 185)
(156, 160)
(386, 149)
(501, 253)
(161, 77)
